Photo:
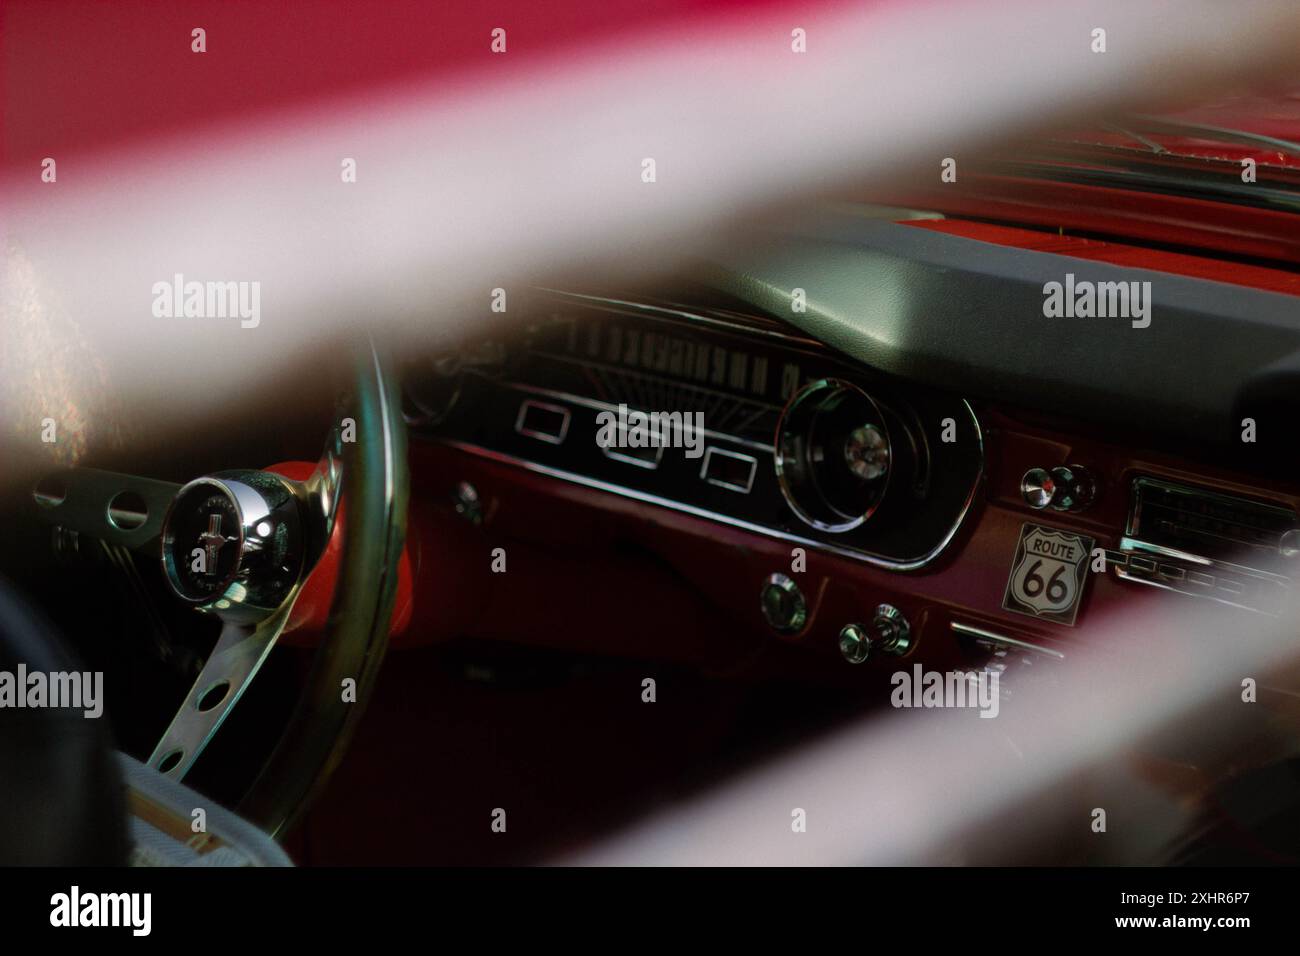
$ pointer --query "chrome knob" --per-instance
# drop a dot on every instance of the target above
(783, 604)
(467, 503)
(1074, 488)
(893, 634)
(1064, 488)
(855, 643)
(1037, 488)
(889, 634)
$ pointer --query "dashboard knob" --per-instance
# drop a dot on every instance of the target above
(1063, 488)
(1075, 488)
(1037, 488)
(889, 634)
(893, 634)
(783, 604)
(855, 643)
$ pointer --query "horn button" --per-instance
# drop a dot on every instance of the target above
(232, 544)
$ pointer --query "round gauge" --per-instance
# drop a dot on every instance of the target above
(833, 455)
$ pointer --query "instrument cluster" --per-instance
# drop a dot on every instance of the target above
(721, 414)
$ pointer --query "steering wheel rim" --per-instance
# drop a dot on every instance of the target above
(376, 484)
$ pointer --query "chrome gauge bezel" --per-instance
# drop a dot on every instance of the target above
(783, 476)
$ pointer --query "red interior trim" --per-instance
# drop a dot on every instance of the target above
(1236, 273)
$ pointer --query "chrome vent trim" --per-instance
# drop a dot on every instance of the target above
(1208, 544)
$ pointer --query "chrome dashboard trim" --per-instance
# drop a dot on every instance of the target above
(1126, 575)
(914, 564)
(1189, 574)
(739, 329)
(607, 407)
(970, 630)
(1132, 546)
(735, 456)
(646, 463)
(551, 439)
(1128, 545)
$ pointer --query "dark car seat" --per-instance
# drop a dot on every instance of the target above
(61, 794)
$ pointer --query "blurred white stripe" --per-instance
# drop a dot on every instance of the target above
(913, 786)
(461, 190)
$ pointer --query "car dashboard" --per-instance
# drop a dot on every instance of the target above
(828, 510)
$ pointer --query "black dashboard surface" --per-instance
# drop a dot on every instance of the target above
(968, 316)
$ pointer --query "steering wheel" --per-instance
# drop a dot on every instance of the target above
(240, 545)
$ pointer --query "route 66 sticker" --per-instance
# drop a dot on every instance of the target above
(1047, 574)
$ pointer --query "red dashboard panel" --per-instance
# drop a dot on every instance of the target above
(696, 595)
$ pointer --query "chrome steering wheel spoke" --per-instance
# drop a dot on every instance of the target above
(234, 662)
(116, 508)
